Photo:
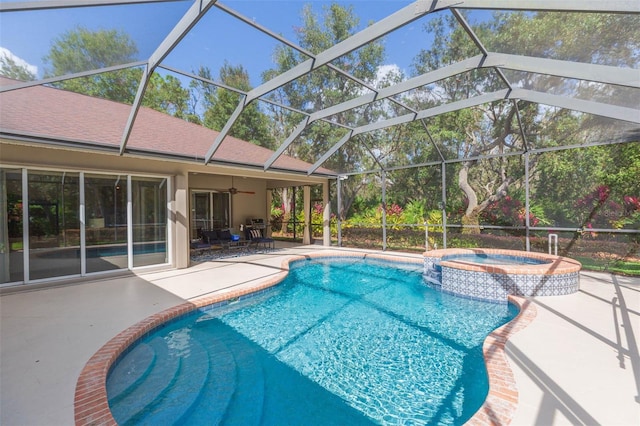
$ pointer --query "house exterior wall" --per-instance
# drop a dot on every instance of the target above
(183, 178)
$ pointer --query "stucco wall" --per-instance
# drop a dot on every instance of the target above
(185, 177)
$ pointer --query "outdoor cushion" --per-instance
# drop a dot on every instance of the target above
(209, 237)
(224, 235)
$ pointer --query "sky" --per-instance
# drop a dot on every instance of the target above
(28, 36)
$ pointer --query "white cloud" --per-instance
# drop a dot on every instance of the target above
(6, 53)
(386, 71)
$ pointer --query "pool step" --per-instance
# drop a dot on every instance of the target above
(154, 384)
(433, 275)
(217, 393)
(137, 363)
(217, 376)
(248, 399)
(177, 401)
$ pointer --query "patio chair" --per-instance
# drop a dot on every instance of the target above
(217, 238)
(255, 236)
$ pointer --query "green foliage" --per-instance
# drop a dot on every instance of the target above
(493, 129)
(621, 168)
(415, 212)
(325, 87)
(566, 185)
(10, 69)
(616, 266)
(252, 125)
(81, 49)
(167, 95)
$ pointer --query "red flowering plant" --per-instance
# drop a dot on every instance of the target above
(631, 215)
(507, 212)
(631, 204)
(394, 214)
(597, 209)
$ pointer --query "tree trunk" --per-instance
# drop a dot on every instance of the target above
(471, 214)
(286, 201)
(472, 220)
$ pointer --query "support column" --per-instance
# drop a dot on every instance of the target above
(180, 219)
(294, 214)
(268, 214)
(444, 205)
(339, 208)
(384, 210)
(306, 235)
(326, 215)
(527, 205)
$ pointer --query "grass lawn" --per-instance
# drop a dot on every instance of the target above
(623, 267)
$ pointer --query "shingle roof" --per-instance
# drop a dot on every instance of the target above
(59, 114)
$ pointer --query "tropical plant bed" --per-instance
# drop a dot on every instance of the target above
(597, 254)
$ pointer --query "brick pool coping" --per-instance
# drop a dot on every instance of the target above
(556, 265)
(91, 406)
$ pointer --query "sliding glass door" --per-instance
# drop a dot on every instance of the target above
(149, 215)
(63, 224)
(209, 210)
(54, 224)
(106, 222)
(11, 231)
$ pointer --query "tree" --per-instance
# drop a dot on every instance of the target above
(167, 95)
(81, 50)
(493, 128)
(325, 87)
(252, 125)
(11, 69)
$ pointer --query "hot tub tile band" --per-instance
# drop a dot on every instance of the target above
(555, 277)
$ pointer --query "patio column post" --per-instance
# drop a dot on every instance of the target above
(180, 217)
(339, 207)
(444, 204)
(268, 216)
(383, 174)
(306, 236)
(326, 215)
(527, 203)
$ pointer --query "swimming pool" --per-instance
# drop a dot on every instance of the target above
(310, 346)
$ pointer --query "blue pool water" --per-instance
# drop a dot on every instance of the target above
(338, 342)
(121, 249)
(495, 259)
(107, 250)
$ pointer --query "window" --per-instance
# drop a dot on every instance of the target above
(209, 210)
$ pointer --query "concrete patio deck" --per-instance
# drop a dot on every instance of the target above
(577, 363)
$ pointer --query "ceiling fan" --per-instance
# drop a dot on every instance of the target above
(233, 190)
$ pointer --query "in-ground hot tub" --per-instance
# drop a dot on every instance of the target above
(494, 274)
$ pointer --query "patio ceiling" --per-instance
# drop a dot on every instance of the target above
(163, 54)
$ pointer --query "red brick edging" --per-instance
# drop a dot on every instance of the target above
(91, 405)
(502, 400)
